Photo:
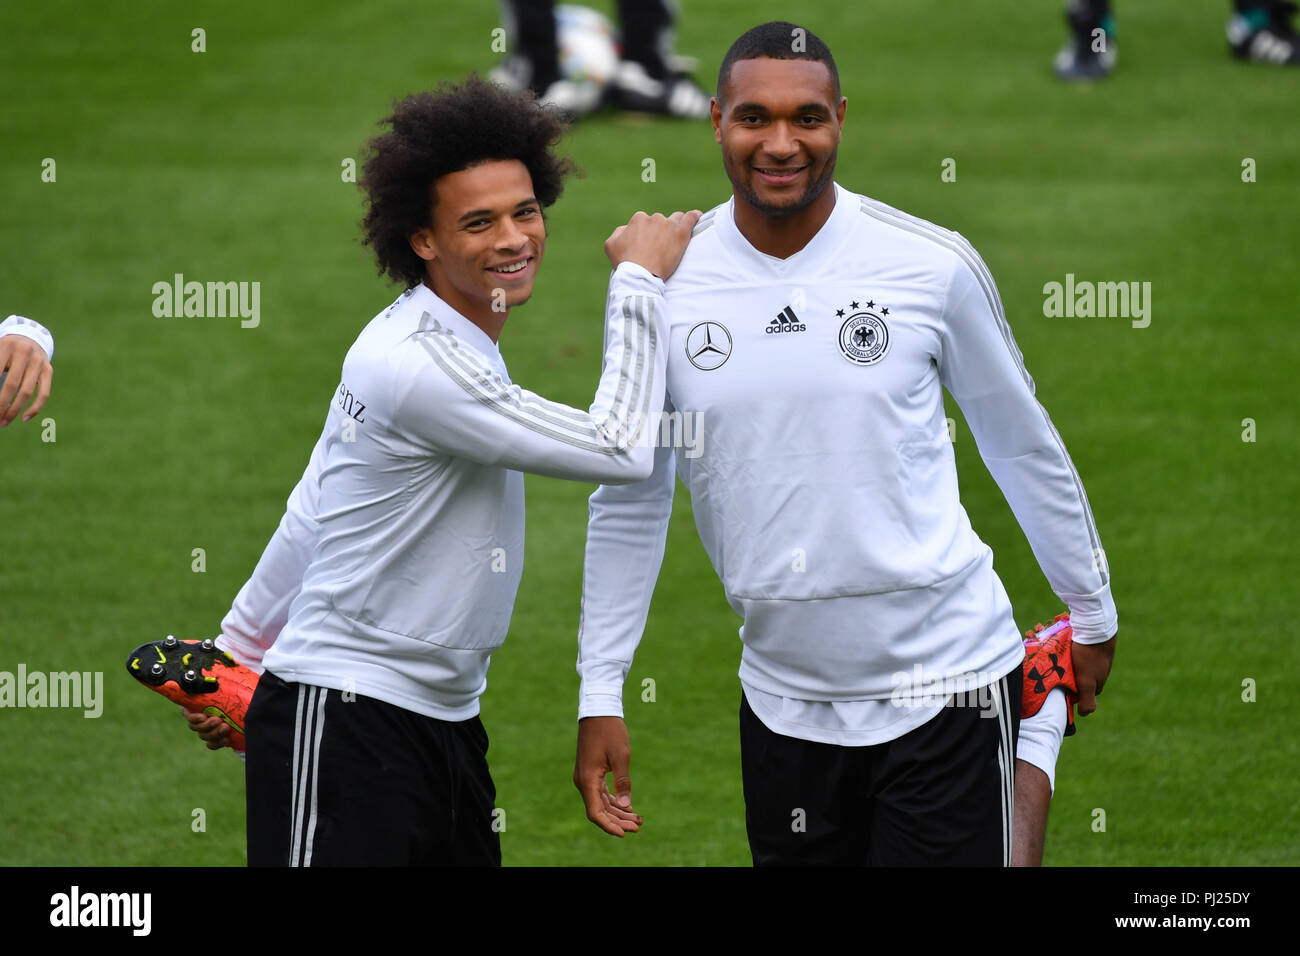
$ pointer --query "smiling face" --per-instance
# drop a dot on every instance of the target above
(779, 127)
(486, 242)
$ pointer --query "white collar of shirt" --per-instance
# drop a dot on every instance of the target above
(425, 299)
(816, 250)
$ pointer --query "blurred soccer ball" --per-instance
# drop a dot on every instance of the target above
(588, 53)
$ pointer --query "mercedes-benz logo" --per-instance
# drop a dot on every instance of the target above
(708, 345)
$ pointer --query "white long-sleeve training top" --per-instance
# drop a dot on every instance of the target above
(823, 481)
(394, 570)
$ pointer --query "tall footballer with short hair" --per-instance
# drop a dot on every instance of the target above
(813, 333)
(392, 577)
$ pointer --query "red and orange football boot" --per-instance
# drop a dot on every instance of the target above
(1049, 664)
(199, 676)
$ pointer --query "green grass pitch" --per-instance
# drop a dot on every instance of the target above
(178, 434)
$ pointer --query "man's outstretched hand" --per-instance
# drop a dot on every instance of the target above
(656, 243)
(27, 374)
(603, 748)
(1091, 668)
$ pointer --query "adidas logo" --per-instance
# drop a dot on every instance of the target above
(786, 321)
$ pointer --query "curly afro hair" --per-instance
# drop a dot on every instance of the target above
(450, 129)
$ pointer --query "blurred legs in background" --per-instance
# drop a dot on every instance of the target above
(646, 77)
(1259, 30)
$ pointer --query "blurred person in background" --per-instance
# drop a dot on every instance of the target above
(1259, 30)
(649, 76)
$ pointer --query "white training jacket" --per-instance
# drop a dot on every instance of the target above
(823, 481)
(394, 570)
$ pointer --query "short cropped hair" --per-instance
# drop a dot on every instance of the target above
(779, 40)
(444, 131)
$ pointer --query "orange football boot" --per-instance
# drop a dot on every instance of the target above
(1049, 664)
(199, 676)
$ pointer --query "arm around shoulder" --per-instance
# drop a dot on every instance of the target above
(450, 401)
